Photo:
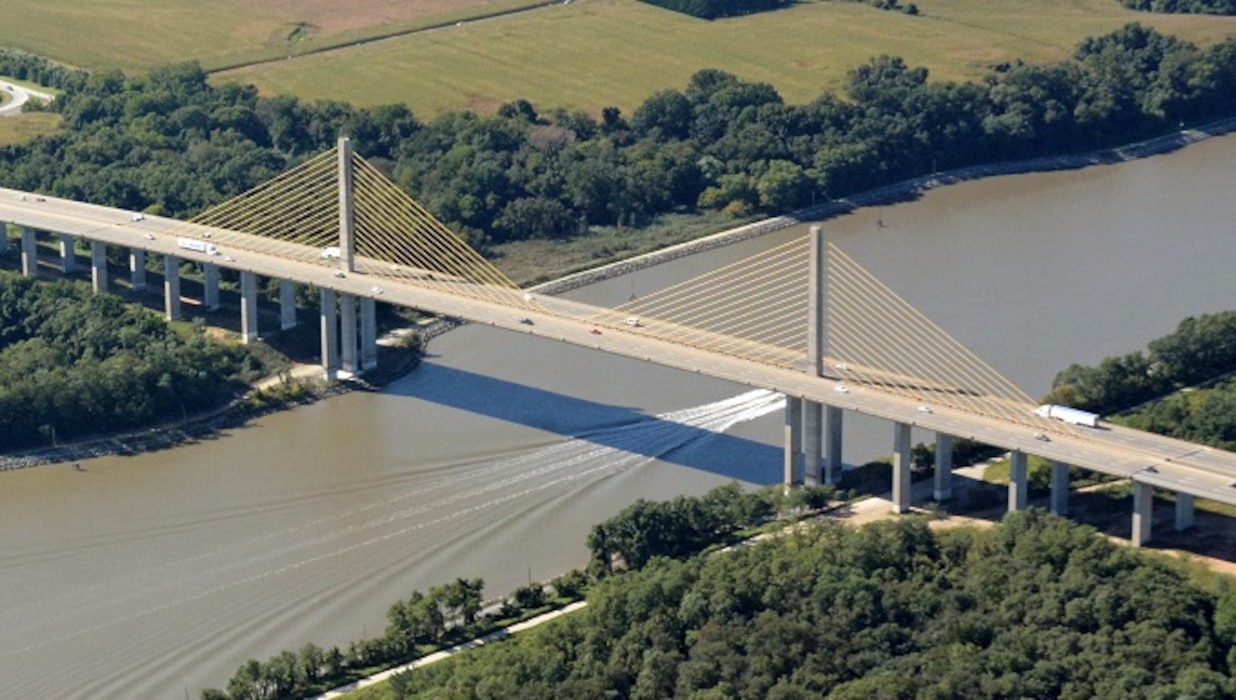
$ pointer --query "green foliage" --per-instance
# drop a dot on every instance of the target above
(1037, 607)
(677, 528)
(1196, 7)
(74, 363)
(1201, 348)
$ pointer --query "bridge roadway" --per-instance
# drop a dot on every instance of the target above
(1142, 457)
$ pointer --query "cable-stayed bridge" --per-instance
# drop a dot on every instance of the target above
(803, 319)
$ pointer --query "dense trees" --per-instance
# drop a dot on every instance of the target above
(169, 142)
(1201, 348)
(1199, 7)
(1037, 607)
(74, 363)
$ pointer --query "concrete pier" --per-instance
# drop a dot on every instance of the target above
(1143, 512)
(248, 307)
(347, 332)
(793, 441)
(369, 333)
(1019, 485)
(330, 333)
(68, 257)
(137, 269)
(1184, 511)
(1059, 489)
(813, 437)
(171, 287)
(833, 417)
(4, 238)
(98, 266)
(210, 286)
(901, 467)
(287, 304)
(29, 252)
(943, 490)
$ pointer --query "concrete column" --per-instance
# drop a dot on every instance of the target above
(137, 269)
(1143, 510)
(347, 223)
(347, 331)
(1059, 489)
(1184, 511)
(813, 437)
(4, 238)
(833, 416)
(793, 440)
(68, 257)
(248, 307)
(98, 266)
(29, 252)
(1018, 480)
(901, 467)
(171, 287)
(330, 333)
(369, 333)
(287, 304)
(944, 468)
(210, 286)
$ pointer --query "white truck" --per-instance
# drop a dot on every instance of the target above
(198, 246)
(1073, 416)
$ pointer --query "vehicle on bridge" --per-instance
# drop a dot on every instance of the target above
(1072, 416)
(198, 246)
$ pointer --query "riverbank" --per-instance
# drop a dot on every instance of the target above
(889, 194)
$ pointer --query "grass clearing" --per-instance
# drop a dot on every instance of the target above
(595, 53)
(532, 262)
(23, 128)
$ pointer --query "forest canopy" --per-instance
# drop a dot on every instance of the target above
(1036, 607)
(74, 363)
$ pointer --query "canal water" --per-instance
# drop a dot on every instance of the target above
(157, 575)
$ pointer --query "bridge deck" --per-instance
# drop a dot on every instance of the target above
(1142, 457)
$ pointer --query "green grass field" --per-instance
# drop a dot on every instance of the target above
(134, 35)
(587, 54)
(594, 53)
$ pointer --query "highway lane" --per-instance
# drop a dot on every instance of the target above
(1140, 456)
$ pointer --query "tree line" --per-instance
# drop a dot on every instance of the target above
(1200, 349)
(1196, 7)
(1036, 607)
(169, 142)
(74, 363)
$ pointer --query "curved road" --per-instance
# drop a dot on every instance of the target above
(20, 97)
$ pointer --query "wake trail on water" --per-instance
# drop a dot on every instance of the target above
(423, 504)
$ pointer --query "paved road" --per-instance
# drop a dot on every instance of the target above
(1140, 456)
(20, 97)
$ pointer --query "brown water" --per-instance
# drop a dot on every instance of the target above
(157, 575)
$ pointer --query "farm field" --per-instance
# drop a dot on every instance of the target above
(590, 54)
(134, 35)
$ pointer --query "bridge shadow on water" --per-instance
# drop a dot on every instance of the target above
(687, 437)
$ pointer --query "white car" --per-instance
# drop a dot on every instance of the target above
(841, 389)
(138, 216)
